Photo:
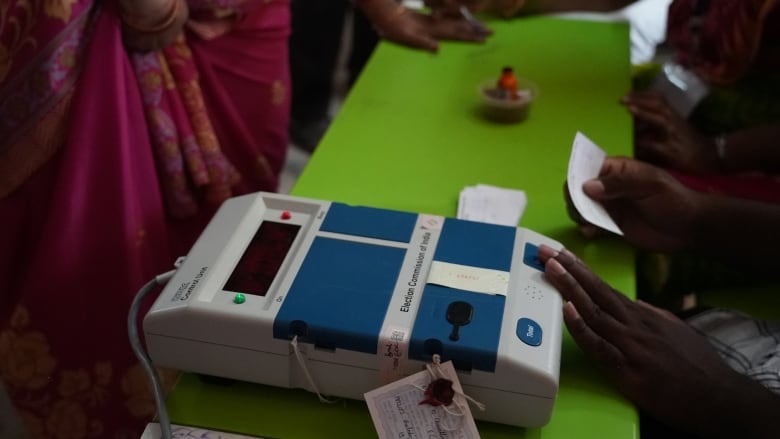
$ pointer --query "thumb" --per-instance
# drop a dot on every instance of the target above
(613, 187)
(595, 189)
(622, 178)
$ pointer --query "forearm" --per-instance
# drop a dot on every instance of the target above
(742, 231)
(755, 149)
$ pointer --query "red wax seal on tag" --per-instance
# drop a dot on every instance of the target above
(439, 392)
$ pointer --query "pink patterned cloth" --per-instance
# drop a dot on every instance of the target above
(195, 94)
(95, 219)
(730, 37)
(37, 80)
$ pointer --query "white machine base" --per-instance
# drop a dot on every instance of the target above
(370, 295)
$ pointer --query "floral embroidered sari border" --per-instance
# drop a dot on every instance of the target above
(39, 86)
(34, 104)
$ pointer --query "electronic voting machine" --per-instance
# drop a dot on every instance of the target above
(369, 295)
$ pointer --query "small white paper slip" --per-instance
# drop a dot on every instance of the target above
(468, 278)
(491, 204)
(585, 164)
(397, 413)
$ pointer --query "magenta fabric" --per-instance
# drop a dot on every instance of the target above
(33, 78)
(248, 102)
(756, 187)
(41, 52)
(90, 227)
(172, 137)
(85, 232)
(241, 77)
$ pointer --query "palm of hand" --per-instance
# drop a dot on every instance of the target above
(654, 211)
(423, 31)
(410, 28)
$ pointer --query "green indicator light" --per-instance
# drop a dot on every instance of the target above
(239, 299)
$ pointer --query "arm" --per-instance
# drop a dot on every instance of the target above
(665, 138)
(753, 149)
(656, 360)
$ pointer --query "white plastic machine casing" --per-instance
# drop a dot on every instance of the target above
(343, 278)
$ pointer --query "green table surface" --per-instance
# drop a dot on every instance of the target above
(410, 137)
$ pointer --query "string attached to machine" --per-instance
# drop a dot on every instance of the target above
(441, 393)
(302, 363)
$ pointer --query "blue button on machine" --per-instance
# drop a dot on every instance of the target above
(529, 332)
(531, 257)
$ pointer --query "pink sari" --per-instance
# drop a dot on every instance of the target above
(88, 205)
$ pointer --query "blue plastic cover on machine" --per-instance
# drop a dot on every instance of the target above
(334, 305)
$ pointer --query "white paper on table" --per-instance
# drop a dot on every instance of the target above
(585, 164)
(492, 204)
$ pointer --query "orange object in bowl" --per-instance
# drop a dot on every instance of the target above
(503, 108)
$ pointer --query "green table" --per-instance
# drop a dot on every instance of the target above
(410, 137)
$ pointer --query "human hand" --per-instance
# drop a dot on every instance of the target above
(666, 139)
(654, 211)
(656, 360)
(401, 25)
(152, 24)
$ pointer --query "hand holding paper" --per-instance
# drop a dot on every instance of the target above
(585, 164)
(655, 211)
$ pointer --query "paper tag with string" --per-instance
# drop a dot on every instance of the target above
(428, 404)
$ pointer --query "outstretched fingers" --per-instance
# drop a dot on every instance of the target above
(587, 289)
(595, 346)
(592, 325)
(581, 287)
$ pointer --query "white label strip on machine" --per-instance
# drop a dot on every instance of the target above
(464, 277)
